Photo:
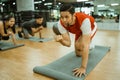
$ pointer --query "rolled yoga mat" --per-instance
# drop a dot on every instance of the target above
(61, 69)
(8, 45)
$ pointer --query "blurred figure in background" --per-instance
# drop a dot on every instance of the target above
(29, 28)
(7, 28)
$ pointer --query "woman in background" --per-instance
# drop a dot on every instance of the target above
(7, 28)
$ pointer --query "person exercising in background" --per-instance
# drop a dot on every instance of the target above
(7, 28)
(31, 27)
(83, 26)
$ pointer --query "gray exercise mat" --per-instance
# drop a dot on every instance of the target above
(39, 39)
(36, 39)
(8, 45)
(61, 69)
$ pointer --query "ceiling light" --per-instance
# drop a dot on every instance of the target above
(114, 4)
(47, 3)
(81, 0)
(37, 2)
(101, 5)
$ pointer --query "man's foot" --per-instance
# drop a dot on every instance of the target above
(26, 37)
(78, 55)
(41, 38)
(91, 47)
(20, 34)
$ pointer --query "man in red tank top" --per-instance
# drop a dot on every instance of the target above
(84, 28)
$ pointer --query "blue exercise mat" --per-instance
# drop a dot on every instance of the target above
(61, 69)
(8, 45)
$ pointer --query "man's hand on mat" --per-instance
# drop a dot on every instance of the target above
(40, 28)
(78, 72)
(10, 33)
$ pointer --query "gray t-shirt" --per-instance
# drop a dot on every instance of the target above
(30, 24)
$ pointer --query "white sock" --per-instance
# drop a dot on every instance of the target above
(91, 45)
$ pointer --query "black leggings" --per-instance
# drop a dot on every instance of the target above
(4, 37)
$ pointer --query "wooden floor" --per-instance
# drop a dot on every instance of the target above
(18, 63)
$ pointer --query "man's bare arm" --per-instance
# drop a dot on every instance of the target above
(64, 39)
(85, 51)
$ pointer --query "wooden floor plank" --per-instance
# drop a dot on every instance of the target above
(18, 63)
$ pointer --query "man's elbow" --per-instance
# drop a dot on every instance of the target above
(68, 45)
(32, 34)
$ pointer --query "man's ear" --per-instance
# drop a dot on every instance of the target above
(74, 14)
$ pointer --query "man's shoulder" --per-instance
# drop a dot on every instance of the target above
(32, 20)
(1, 23)
(28, 22)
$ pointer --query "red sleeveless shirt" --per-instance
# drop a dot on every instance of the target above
(75, 29)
